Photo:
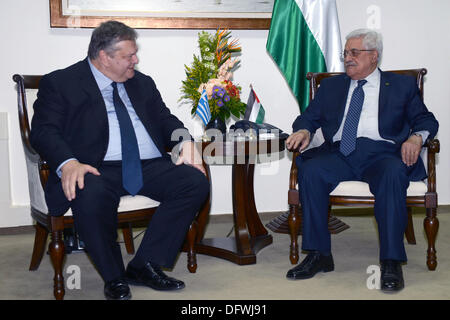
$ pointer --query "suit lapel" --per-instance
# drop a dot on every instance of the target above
(142, 110)
(90, 87)
(384, 91)
(136, 99)
(385, 88)
(341, 101)
(94, 98)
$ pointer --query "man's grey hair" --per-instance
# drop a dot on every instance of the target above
(371, 40)
(107, 35)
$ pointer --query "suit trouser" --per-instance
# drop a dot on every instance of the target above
(375, 162)
(181, 190)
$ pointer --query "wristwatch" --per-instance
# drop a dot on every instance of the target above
(419, 135)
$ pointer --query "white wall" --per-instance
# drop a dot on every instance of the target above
(415, 35)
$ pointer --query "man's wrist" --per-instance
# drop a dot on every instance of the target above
(305, 131)
(424, 134)
(58, 170)
(419, 136)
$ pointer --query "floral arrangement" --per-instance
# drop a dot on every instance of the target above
(212, 71)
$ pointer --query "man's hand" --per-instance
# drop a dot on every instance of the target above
(191, 156)
(411, 150)
(72, 173)
(298, 140)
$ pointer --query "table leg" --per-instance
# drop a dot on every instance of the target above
(255, 226)
(257, 233)
(250, 234)
(240, 208)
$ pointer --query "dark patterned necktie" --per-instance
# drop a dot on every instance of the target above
(348, 141)
(131, 162)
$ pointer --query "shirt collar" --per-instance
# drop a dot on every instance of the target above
(102, 80)
(372, 79)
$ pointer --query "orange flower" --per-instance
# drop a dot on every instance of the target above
(223, 48)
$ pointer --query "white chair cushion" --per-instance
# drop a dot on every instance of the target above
(361, 189)
(129, 203)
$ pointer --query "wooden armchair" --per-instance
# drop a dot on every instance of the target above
(131, 209)
(356, 193)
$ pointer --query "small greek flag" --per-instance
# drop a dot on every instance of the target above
(203, 110)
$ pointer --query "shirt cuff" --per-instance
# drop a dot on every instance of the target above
(424, 134)
(58, 170)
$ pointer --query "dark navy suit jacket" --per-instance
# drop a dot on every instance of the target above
(401, 110)
(70, 121)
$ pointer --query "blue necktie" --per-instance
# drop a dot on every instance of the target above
(131, 162)
(348, 141)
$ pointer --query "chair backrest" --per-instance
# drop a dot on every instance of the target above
(315, 78)
(23, 83)
(37, 168)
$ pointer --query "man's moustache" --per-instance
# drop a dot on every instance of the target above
(350, 64)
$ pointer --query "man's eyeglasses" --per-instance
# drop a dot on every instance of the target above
(352, 53)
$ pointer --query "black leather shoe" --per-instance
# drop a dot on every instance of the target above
(313, 263)
(152, 276)
(391, 276)
(117, 290)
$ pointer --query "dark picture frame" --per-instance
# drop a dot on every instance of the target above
(76, 20)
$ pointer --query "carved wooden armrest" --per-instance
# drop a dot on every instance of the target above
(293, 192)
(433, 147)
(44, 171)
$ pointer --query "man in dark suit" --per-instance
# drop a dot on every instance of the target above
(374, 124)
(104, 130)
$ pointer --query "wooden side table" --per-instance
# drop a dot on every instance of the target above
(250, 235)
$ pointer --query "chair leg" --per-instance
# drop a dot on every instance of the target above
(56, 250)
(191, 255)
(127, 232)
(431, 225)
(409, 232)
(294, 221)
(40, 239)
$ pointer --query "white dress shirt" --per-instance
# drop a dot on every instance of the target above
(368, 121)
(147, 148)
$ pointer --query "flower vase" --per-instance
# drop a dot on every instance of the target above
(217, 123)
